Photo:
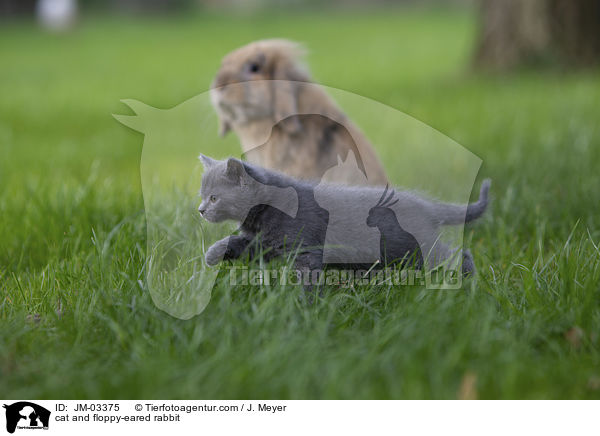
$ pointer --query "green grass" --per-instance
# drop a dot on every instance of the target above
(73, 230)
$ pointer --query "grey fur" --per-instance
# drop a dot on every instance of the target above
(283, 214)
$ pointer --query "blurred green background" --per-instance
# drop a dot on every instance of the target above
(76, 319)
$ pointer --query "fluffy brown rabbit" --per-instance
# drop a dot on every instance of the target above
(284, 121)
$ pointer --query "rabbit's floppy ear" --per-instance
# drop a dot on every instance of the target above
(286, 72)
(224, 127)
(285, 106)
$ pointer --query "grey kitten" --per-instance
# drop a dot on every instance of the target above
(327, 224)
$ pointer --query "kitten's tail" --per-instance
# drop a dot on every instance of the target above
(453, 214)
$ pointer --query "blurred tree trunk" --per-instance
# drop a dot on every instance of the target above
(515, 32)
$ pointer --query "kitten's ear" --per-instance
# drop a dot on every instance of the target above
(206, 161)
(235, 170)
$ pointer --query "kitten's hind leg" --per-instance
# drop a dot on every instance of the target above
(468, 266)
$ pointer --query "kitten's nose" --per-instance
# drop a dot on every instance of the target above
(201, 210)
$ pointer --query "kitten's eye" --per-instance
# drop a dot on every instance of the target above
(213, 198)
(254, 67)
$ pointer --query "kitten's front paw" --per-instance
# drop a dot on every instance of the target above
(216, 252)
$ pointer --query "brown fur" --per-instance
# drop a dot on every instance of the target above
(284, 121)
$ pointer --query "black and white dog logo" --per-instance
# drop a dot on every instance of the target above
(26, 415)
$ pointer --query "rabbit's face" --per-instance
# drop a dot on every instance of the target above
(254, 83)
(240, 91)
